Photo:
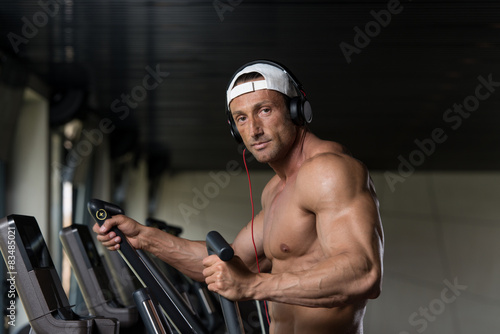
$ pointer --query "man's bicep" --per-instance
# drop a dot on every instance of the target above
(340, 194)
(353, 246)
(356, 230)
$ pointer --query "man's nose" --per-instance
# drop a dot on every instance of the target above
(256, 127)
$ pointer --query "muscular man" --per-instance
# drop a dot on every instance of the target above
(319, 237)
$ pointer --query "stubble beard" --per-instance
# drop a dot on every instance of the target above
(270, 154)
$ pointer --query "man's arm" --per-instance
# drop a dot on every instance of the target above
(184, 255)
(338, 191)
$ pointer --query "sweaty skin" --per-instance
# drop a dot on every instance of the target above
(319, 236)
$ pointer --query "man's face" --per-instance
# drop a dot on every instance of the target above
(263, 120)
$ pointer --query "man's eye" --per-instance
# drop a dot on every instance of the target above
(266, 110)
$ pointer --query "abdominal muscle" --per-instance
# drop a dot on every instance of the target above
(294, 319)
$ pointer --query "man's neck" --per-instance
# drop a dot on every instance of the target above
(291, 162)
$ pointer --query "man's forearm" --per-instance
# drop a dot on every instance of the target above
(327, 284)
(182, 254)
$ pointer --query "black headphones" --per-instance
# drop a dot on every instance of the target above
(300, 108)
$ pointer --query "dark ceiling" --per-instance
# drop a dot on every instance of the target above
(382, 76)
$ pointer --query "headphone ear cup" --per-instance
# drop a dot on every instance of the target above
(300, 111)
(307, 114)
(296, 110)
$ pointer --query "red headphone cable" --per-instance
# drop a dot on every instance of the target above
(253, 240)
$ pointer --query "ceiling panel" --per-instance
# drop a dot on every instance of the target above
(394, 90)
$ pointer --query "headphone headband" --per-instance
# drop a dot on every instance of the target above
(300, 108)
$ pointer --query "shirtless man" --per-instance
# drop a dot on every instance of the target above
(319, 237)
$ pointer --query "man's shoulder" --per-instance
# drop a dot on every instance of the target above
(328, 155)
(332, 163)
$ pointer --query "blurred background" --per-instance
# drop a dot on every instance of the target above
(125, 101)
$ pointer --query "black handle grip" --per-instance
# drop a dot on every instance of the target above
(217, 245)
(100, 210)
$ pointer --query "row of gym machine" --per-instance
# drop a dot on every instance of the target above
(129, 291)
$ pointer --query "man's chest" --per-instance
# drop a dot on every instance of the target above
(289, 229)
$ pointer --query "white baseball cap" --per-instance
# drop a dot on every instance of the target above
(274, 78)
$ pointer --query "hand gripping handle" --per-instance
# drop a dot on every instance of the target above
(218, 246)
(101, 210)
(149, 274)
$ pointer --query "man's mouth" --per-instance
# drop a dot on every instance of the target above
(260, 145)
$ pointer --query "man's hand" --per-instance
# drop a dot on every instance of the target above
(231, 279)
(129, 227)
